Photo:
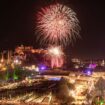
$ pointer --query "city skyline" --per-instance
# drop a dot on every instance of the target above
(18, 22)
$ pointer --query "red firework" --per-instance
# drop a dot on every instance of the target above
(57, 24)
(56, 56)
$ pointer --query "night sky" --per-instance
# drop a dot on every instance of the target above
(17, 23)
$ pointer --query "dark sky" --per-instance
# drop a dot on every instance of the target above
(17, 18)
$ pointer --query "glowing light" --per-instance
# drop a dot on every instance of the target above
(88, 71)
(57, 24)
(79, 89)
(55, 79)
(72, 93)
(55, 55)
(55, 51)
(33, 67)
(0, 65)
(37, 69)
(92, 66)
(16, 61)
(72, 81)
(76, 66)
(4, 68)
(102, 103)
(43, 68)
(2, 60)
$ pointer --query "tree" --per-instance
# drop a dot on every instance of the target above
(100, 85)
(63, 93)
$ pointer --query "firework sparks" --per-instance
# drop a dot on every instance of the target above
(57, 24)
(55, 55)
(55, 51)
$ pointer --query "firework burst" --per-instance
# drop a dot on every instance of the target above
(55, 55)
(57, 24)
